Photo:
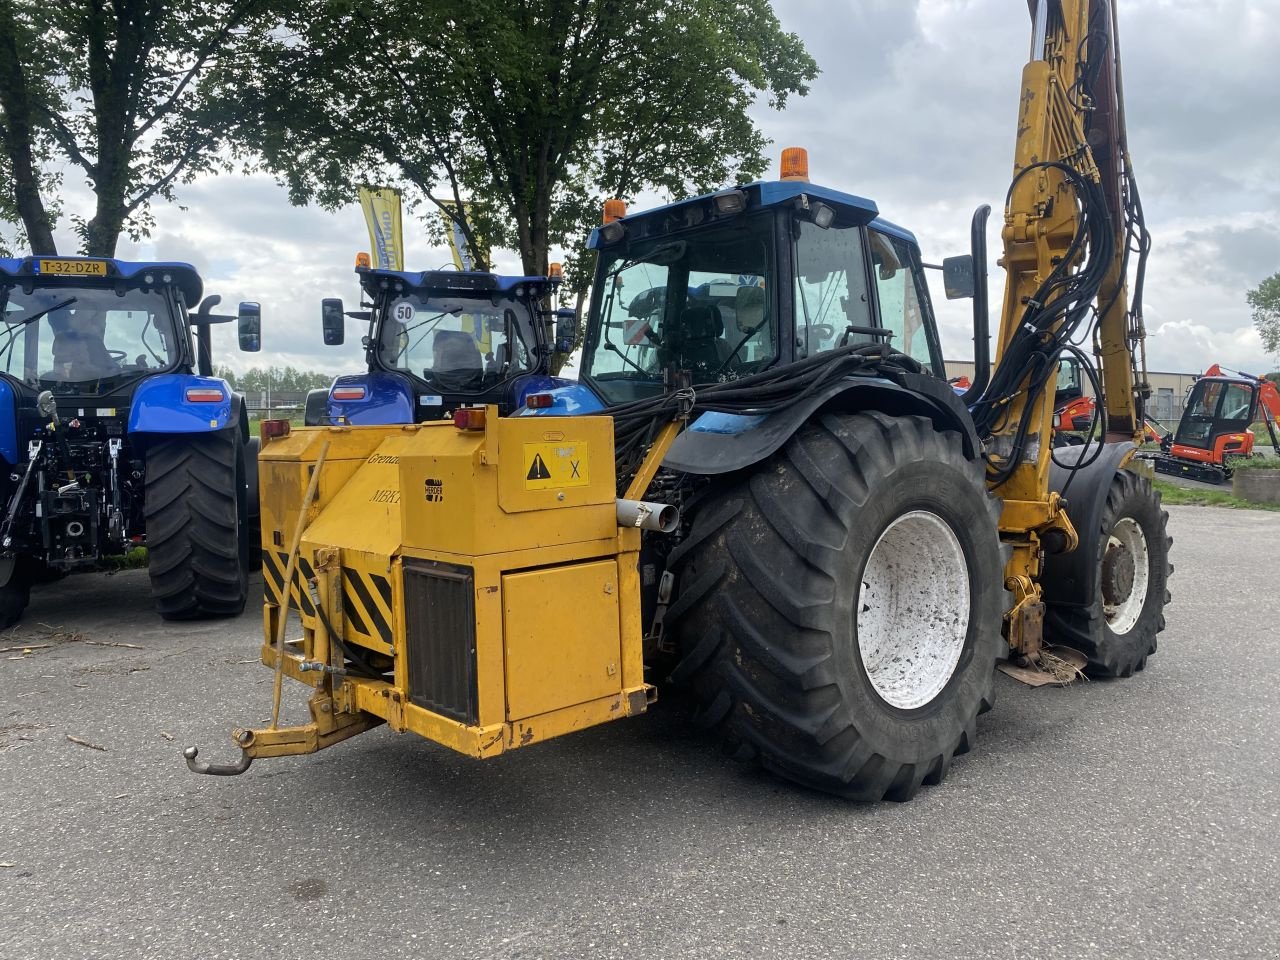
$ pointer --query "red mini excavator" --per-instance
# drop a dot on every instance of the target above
(1214, 429)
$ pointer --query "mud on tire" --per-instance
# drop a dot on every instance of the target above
(769, 580)
(196, 521)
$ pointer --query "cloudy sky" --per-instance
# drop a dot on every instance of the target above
(915, 108)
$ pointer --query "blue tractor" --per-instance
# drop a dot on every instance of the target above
(438, 340)
(115, 433)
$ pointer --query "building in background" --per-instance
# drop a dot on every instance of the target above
(1168, 390)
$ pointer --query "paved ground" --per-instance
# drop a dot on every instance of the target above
(1137, 818)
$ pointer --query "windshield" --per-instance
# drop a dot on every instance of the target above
(700, 304)
(91, 341)
(458, 344)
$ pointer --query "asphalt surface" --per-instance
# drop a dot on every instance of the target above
(1136, 818)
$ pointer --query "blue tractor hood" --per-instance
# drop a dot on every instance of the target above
(42, 271)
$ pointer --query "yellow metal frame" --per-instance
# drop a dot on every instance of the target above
(547, 536)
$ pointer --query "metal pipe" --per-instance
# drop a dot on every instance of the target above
(645, 515)
(1039, 29)
(981, 319)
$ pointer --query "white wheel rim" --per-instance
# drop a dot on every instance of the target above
(1123, 596)
(913, 610)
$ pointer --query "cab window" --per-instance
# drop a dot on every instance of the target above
(898, 284)
(831, 289)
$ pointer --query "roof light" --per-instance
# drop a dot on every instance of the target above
(614, 209)
(822, 215)
(469, 418)
(205, 395)
(273, 429)
(363, 261)
(795, 164)
(728, 202)
(555, 271)
(539, 401)
(612, 232)
(347, 393)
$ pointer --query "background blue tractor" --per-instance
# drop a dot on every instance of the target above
(439, 340)
(114, 433)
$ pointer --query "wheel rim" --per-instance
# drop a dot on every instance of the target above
(913, 610)
(1126, 572)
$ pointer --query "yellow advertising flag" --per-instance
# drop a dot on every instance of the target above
(386, 234)
(457, 240)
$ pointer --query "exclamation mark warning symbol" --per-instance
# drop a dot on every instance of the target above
(538, 470)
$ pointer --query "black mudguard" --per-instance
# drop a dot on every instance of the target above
(1085, 492)
(913, 394)
(316, 412)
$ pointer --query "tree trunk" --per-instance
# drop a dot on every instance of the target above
(16, 105)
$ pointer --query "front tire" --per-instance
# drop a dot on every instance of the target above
(840, 608)
(1123, 609)
(197, 525)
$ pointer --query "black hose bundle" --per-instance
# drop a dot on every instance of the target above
(636, 424)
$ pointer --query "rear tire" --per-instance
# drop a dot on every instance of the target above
(15, 593)
(1116, 626)
(840, 608)
(197, 525)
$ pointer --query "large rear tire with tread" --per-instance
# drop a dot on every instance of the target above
(839, 609)
(196, 510)
(1123, 610)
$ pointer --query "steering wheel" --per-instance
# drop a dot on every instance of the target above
(119, 356)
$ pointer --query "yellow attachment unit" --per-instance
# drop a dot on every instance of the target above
(470, 586)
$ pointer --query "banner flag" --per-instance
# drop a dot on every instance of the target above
(386, 233)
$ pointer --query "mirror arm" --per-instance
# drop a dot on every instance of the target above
(981, 319)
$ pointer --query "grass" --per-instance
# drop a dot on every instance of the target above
(1171, 493)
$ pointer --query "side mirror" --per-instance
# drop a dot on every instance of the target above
(333, 321)
(249, 326)
(566, 329)
(957, 277)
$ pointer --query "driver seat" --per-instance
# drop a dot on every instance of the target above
(702, 327)
(78, 348)
(455, 351)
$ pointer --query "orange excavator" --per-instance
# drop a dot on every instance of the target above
(1075, 412)
(1214, 429)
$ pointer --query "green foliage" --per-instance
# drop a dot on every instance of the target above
(536, 109)
(1260, 462)
(1265, 301)
(132, 94)
(260, 379)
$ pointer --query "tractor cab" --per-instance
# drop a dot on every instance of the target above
(436, 341)
(727, 285)
(84, 328)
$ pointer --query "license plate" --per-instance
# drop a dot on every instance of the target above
(74, 268)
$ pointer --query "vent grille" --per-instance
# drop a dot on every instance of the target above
(440, 633)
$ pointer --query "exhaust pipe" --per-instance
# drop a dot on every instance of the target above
(660, 517)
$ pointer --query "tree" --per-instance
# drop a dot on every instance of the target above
(130, 93)
(536, 109)
(1265, 301)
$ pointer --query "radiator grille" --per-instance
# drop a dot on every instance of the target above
(440, 632)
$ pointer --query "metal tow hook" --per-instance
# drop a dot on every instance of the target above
(216, 769)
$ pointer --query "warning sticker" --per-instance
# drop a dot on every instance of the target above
(553, 465)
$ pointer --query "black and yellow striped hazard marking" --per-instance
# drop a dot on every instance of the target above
(366, 601)
(274, 565)
(366, 597)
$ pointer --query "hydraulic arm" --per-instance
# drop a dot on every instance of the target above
(1071, 218)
